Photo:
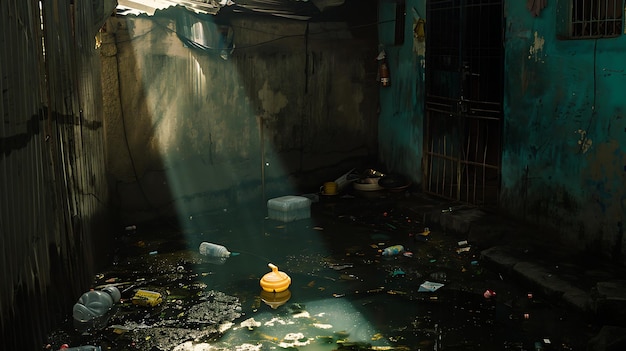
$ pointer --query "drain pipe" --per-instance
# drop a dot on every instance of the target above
(262, 148)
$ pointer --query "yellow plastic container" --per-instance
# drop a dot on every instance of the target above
(147, 298)
(275, 281)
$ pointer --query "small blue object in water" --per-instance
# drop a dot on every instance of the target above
(397, 272)
(393, 250)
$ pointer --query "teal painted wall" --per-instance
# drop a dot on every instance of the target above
(564, 134)
(563, 162)
(400, 126)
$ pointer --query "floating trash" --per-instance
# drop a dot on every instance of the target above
(393, 250)
(429, 286)
(489, 294)
(250, 323)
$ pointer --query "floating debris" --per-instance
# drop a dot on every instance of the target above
(463, 249)
(322, 325)
(250, 323)
(429, 286)
(340, 267)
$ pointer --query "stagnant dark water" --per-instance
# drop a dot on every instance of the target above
(343, 295)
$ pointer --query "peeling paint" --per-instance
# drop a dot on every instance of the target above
(584, 143)
(536, 48)
(419, 41)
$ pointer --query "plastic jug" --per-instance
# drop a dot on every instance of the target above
(91, 309)
(213, 250)
(275, 281)
(393, 250)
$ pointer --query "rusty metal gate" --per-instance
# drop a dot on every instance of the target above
(464, 80)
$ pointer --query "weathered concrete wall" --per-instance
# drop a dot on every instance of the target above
(283, 114)
(564, 163)
(401, 120)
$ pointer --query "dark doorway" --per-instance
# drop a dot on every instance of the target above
(464, 82)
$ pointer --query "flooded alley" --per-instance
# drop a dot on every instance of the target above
(435, 293)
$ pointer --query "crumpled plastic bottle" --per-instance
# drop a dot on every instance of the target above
(91, 311)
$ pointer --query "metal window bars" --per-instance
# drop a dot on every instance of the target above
(596, 18)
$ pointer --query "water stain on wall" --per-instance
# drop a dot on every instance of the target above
(536, 49)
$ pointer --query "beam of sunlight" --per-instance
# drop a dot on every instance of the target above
(204, 169)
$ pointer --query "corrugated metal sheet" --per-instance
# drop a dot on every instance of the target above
(52, 179)
(292, 9)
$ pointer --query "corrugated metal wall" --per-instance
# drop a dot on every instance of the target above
(52, 179)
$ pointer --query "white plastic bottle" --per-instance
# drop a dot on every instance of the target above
(93, 306)
(213, 250)
(393, 250)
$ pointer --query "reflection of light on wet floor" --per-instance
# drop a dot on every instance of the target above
(318, 326)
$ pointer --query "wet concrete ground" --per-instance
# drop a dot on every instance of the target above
(344, 293)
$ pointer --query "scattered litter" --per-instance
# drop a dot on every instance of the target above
(213, 250)
(147, 298)
(489, 294)
(298, 339)
(463, 249)
(340, 267)
(429, 286)
(393, 250)
(462, 243)
(397, 272)
(318, 228)
(407, 254)
(322, 326)
(250, 323)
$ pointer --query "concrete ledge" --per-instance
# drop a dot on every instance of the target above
(540, 278)
(500, 256)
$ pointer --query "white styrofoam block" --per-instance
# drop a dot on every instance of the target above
(289, 208)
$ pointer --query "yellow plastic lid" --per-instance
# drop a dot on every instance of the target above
(275, 281)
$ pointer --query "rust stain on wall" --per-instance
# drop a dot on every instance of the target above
(603, 162)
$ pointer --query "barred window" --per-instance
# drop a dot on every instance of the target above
(595, 18)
